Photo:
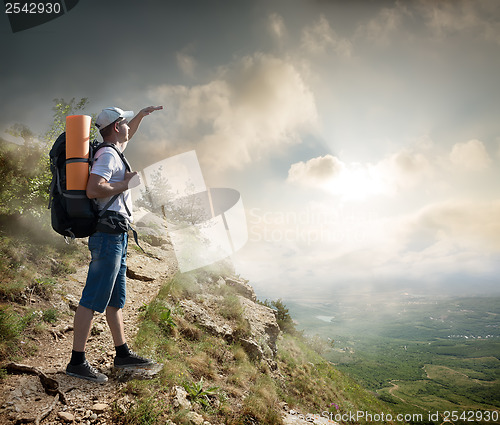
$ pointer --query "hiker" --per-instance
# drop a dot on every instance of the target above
(105, 287)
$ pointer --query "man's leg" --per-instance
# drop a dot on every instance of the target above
(78, 366)
(124, 357)
(81, 327)
(114, 318)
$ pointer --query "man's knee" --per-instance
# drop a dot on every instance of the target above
(81, 310)
(112, 309)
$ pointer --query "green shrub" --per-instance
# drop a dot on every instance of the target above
(12, 326)
(262, 404)
(198, 394)
(285, 321)
(50, 315)
(147, 411)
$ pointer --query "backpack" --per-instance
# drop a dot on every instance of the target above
(73, 214)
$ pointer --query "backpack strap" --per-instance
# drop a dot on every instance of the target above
(125, 162)
(53, 184)
(118, 151)
(113, 199)
(108, 204)
(127, 166)
(71, 160)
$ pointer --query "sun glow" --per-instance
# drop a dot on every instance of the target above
(356, 183)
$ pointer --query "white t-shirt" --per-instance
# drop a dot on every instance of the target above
(108, 164)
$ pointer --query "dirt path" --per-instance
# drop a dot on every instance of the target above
(395, 387)
(22, 397)
(456, 372)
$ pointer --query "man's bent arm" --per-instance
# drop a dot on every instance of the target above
(99, 187)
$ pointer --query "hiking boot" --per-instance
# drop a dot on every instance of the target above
(85, 371)
(133, 360)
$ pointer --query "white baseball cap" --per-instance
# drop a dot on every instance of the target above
(110, 115)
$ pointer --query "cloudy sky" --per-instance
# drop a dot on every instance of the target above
(363, 136)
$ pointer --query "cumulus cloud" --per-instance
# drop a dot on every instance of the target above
(405, 169)
(464, 224)
(256, 106)
(186, 63)
(316, 171)
(321, 38)
(409, 168)
(352, 182)
(452, 17)
(439, 241)
(380, 28)
(471, 155)
(355, 181)
(276, 26)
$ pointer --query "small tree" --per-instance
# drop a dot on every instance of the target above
(156, 194)
(285, 321)
(25, 171)
(62, 109)
(159, 198)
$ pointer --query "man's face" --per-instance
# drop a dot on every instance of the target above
(122, 128)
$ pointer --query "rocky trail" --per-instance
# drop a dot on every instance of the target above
(23, 398)
(36, 389)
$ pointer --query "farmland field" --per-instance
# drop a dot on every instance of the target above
(418, 354)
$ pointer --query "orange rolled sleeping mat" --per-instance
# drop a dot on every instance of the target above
(77, 166)
(77, 148)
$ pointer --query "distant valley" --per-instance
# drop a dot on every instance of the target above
(418, 353)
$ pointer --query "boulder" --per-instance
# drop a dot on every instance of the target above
(66, 417)
(145, 373)
(179, 398)
(263, 325)
(252, 348)
(242, 287)
(99, 407)
(198, 314)
(145, 218)
(195, 418)
(158, 264)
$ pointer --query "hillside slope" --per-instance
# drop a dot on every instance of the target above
(224, 357)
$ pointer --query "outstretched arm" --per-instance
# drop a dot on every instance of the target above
(134, 122)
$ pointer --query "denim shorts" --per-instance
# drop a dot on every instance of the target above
(106, 279)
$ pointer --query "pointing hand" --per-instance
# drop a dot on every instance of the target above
(149, 109)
